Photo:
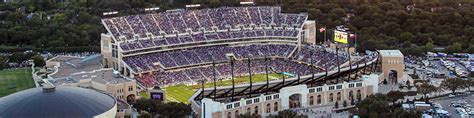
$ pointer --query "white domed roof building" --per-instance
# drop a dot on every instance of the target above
(58, 102)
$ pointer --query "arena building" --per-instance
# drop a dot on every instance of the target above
(58, 102)
(191, 46)
(87, 72)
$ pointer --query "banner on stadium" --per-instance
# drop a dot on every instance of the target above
(340, 37)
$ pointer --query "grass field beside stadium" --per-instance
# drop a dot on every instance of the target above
(14, 80)
(181, 92)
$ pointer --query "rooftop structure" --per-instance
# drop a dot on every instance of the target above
(67, 65)
(58, 102)
(390, 53)
(88, 72)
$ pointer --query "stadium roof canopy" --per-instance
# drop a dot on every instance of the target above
(61, 102)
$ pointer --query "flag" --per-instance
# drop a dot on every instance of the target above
(352, 36)
(322, 29)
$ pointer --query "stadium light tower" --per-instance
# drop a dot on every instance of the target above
(298, 74)
(266, 72)
(202, 87)
(214, 77)
(350, 62)
(232, 75)
(250, 77)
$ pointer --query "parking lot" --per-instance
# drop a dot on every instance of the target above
(459, 102)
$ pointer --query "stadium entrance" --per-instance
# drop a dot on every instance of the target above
(392, 66)
(131, 98)
(392, 76)
(295, 101)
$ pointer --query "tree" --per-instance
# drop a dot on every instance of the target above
(471, 48)
(169, 109)
(469, 83)
(38, 60)
(3, 62)
(174, 109)
(376, 106)
(287, 114)
(425, 89)
(454, 48)
(214, 3)
(429, 47)
(374, 103)
(147, 105)
(18, 57)
(452, 84)
(407, 36)
(145, 115)
(393, 96)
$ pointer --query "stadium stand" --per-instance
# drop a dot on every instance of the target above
(180, 46)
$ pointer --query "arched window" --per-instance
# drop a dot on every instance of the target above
(331, 97)
(236, 113)
(229, 115)
(275, 106)
(248, 110)
(269, 108)
(256, 109)
(311, 100)
(318, 101)
(339, 96)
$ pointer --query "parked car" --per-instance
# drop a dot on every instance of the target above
(451, 95)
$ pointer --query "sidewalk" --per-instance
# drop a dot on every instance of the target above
(34, 76)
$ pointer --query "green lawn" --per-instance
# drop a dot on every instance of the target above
(181, 92)
(15, 80)
(144, 94)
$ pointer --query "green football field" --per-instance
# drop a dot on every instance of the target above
(14, 80)
(181, 92)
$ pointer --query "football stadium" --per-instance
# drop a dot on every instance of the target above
(226, 53)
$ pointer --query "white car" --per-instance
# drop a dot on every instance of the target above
(471, 113)
(460, 110)
(467, 105)
(451, 95)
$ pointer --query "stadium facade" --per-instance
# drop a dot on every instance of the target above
(293, 97)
